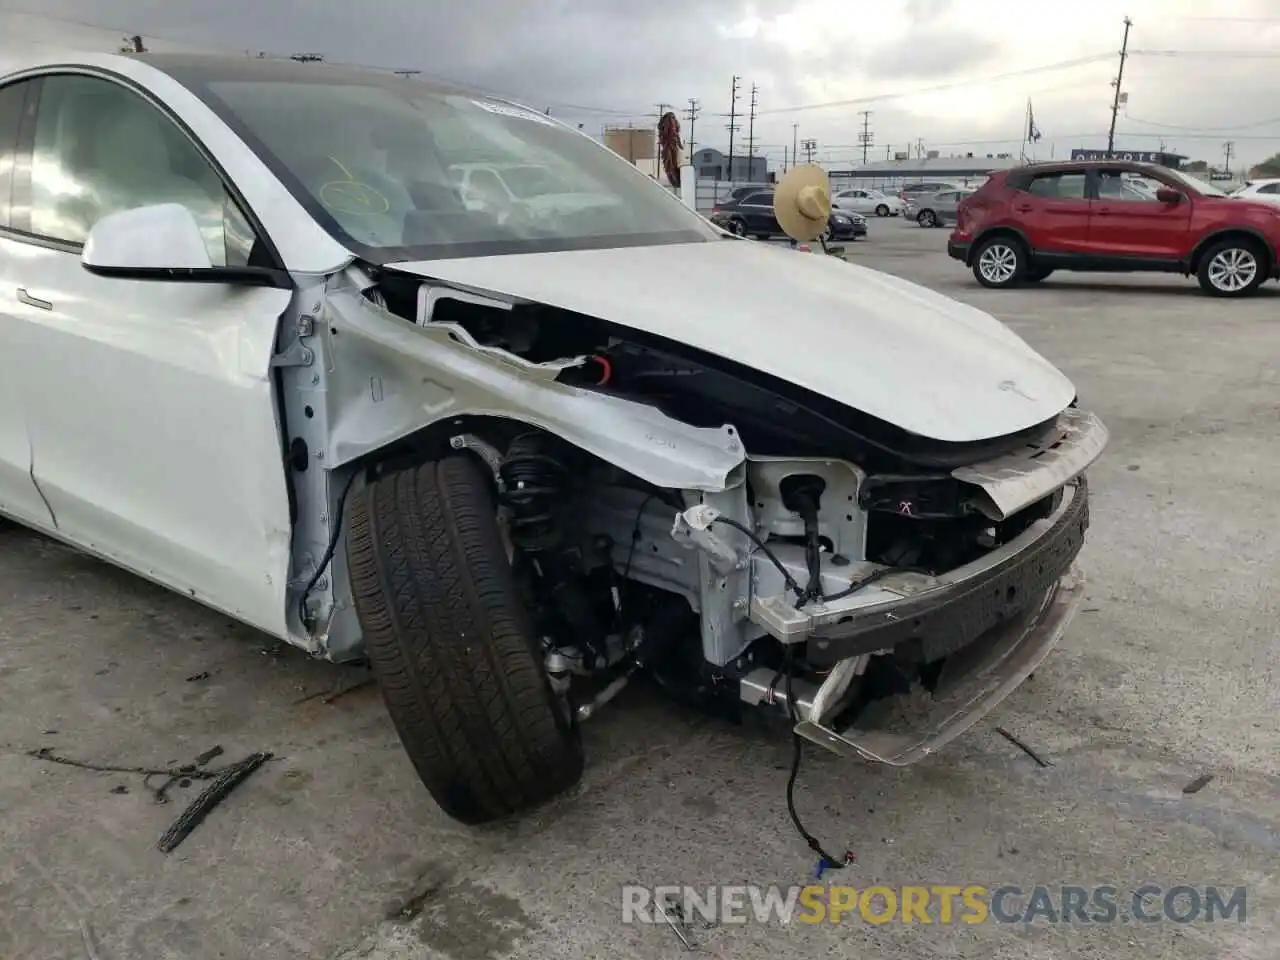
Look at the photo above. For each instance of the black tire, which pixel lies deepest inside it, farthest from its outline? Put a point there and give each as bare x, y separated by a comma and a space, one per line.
1036, 274
738, 227
451, 644
1007, 252
927, 218
882, 210
1241, 252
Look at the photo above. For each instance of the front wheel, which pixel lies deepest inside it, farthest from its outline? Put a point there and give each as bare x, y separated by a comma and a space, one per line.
1232, 268
452, 645
882, 210
999, 263
927, 218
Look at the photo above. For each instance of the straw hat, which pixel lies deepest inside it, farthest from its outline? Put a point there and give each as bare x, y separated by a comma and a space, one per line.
802, 202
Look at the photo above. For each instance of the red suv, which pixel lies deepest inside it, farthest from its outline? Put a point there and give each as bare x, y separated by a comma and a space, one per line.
1114, 216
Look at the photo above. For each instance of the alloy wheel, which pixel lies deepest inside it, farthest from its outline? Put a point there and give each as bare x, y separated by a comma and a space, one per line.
998, 263
1233, 269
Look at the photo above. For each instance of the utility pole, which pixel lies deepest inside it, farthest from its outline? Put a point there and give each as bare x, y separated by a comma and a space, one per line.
920, 148
809, 146
751, 131
733, 124
888, 151
866, 138
795, 132
693, 115
1115, 103
1228, 149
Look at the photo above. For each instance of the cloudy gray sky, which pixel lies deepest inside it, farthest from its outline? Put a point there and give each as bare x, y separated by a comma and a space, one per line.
955, 74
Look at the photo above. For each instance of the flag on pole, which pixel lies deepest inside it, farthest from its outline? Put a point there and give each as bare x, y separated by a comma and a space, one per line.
1033, 132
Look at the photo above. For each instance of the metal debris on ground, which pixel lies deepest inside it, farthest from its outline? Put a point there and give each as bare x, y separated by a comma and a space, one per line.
1198, 784
90, 941
672, 924
183, 775
337, 692
191, 770
226, 781
1041, 761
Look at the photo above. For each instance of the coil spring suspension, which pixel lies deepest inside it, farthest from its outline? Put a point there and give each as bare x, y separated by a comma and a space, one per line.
530, 480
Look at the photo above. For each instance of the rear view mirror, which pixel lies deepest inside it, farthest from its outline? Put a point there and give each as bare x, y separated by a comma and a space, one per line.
145, 239
1168, 195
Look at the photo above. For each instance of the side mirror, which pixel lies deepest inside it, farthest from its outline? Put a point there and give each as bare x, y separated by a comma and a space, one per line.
146, 239
1168, 195
162, 241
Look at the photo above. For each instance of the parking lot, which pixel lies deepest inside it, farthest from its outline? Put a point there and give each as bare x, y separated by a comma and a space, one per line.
334, 850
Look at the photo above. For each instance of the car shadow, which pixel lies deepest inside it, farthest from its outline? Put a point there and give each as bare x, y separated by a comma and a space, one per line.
1189, 289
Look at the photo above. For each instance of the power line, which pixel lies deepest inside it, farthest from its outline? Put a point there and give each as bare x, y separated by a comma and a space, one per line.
941, 87
1210, 54
1227, 129
1115, 104
866, 138
733, 123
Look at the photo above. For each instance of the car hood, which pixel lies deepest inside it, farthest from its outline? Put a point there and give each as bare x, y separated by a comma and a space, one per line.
889, 348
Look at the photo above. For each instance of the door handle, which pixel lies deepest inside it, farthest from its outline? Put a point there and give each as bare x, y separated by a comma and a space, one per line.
30, 301
1102, 211
1023, 208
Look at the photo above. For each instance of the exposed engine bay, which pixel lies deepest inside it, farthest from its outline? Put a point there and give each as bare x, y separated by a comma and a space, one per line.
837, 569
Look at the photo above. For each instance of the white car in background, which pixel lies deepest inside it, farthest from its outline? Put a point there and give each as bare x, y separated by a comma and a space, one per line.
1266, 191
859, 200
504, 188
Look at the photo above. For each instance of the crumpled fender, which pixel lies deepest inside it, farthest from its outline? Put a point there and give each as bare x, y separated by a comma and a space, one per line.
390, 378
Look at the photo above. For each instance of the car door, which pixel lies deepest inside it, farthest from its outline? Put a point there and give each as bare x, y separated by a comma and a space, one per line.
1267, 193
150, 403
19, 497
1126, 222
1052, 208
757, 208
857, 201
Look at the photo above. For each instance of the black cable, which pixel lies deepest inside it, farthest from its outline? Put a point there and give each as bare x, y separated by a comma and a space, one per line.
878, 574
827, 861
329, 551
787, 579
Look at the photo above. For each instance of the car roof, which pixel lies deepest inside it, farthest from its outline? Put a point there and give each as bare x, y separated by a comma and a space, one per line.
1072, 166
225, 67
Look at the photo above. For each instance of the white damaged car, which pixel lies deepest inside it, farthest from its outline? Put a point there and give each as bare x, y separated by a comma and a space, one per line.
256, 348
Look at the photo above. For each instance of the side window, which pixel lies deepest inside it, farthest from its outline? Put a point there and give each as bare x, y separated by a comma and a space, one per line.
11, 100
1265, 188
759, 199
100, 148
1112, 186
1060, 186
487, 186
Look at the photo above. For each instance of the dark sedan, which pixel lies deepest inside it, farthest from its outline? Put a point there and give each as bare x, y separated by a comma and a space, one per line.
752, 216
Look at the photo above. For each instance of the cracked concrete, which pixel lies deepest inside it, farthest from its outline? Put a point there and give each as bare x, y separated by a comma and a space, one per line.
334, 850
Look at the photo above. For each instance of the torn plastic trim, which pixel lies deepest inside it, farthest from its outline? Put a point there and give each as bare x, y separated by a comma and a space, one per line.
996, 665
391, 379
1017, 480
